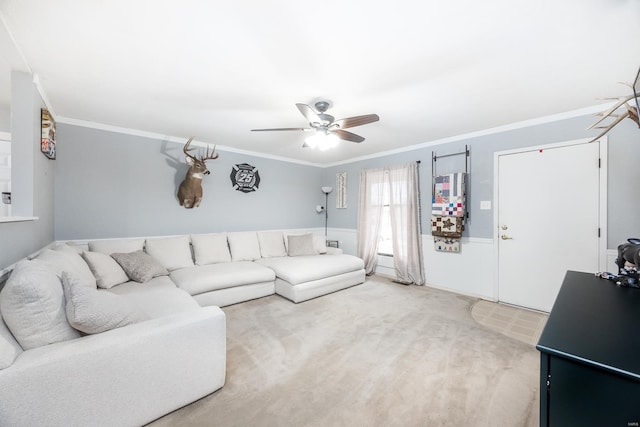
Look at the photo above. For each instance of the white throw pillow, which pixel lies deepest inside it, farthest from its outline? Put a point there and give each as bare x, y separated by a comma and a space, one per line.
244, 246
116, 245
140, 266
210, 248
67, 260
9, 347
92, 311
271, 244
172, 252
300, 245
107, 271
33, 307
320, 243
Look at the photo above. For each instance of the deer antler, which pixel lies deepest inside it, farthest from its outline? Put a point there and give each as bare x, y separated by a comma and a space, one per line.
186, 149
631, 112
208, 156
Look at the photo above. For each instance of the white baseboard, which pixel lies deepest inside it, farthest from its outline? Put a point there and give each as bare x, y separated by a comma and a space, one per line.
468, 272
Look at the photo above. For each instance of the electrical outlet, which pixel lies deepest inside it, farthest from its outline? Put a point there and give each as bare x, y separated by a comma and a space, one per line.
485, 205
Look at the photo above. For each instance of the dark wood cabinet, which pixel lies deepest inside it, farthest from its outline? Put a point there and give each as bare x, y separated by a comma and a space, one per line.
590, 355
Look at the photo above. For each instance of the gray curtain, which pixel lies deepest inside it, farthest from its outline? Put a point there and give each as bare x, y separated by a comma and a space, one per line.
400, 185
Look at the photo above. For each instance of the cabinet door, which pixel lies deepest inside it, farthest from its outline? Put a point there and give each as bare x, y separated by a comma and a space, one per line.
583, 396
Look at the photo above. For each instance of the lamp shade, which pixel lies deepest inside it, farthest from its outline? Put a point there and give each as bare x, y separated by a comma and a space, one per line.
327, 190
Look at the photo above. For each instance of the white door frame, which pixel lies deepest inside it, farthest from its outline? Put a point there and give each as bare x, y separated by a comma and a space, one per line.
602, 214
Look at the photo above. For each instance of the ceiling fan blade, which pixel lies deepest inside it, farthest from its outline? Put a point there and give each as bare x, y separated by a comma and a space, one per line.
356, 121
269, 130
347, 136
308, 112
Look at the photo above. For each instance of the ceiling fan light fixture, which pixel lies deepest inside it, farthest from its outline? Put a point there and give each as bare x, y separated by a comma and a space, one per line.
322, 141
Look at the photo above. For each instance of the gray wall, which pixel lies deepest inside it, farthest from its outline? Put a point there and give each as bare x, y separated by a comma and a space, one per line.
5, 119
115, 185
623, 174
32, 177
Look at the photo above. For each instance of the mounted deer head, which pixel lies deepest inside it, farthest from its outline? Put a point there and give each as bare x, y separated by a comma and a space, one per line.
190, 190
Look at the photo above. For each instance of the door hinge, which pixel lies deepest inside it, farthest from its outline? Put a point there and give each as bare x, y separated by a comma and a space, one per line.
548, 382
599, 163
598, 231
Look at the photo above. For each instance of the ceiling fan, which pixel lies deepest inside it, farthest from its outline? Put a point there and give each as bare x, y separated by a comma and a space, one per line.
326, 127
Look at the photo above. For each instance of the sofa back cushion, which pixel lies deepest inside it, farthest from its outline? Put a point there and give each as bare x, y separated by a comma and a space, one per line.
106, 270
244, 246
271, 244
61, 260
171, 252
33, 307
9, 347
116, 245
210, 248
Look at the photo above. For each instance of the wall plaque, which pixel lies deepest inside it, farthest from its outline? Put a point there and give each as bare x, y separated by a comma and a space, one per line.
245, 178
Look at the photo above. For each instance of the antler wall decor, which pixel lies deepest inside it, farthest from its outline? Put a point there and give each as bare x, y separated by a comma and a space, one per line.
190, 190
631, 111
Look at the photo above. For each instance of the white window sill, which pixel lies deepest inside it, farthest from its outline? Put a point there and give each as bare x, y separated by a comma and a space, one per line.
18, 218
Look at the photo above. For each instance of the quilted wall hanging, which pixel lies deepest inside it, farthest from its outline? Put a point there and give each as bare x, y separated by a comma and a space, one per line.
449, 206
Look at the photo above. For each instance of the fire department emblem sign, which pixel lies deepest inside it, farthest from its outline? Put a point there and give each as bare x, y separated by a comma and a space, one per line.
245, 178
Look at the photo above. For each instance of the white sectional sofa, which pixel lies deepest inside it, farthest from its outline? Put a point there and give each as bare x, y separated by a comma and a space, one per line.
130, 329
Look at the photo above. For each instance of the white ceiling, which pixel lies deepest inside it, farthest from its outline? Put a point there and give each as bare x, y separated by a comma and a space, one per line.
216, 69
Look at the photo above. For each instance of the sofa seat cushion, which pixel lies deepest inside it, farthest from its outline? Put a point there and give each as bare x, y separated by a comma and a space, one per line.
205, 278
156, 298
301, 269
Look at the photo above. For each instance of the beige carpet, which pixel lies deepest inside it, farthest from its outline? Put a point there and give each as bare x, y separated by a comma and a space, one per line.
521, 324
378, 354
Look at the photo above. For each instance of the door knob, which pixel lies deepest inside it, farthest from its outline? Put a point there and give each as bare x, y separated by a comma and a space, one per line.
505, 237
504, 227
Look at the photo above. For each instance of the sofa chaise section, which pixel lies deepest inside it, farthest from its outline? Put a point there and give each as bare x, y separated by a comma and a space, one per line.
301, 278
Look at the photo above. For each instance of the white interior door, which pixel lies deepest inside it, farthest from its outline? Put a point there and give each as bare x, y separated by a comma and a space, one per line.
548, 220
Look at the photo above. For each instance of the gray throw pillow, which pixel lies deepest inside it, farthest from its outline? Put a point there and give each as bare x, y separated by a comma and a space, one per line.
300, 245
139, 266
92, 311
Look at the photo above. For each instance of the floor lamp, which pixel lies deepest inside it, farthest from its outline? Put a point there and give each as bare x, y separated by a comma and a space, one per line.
326, 191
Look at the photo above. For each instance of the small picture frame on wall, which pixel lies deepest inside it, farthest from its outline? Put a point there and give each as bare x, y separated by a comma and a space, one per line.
48, 138
341, 190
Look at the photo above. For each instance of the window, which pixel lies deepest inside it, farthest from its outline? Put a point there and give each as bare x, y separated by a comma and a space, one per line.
5, 173
385, 242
